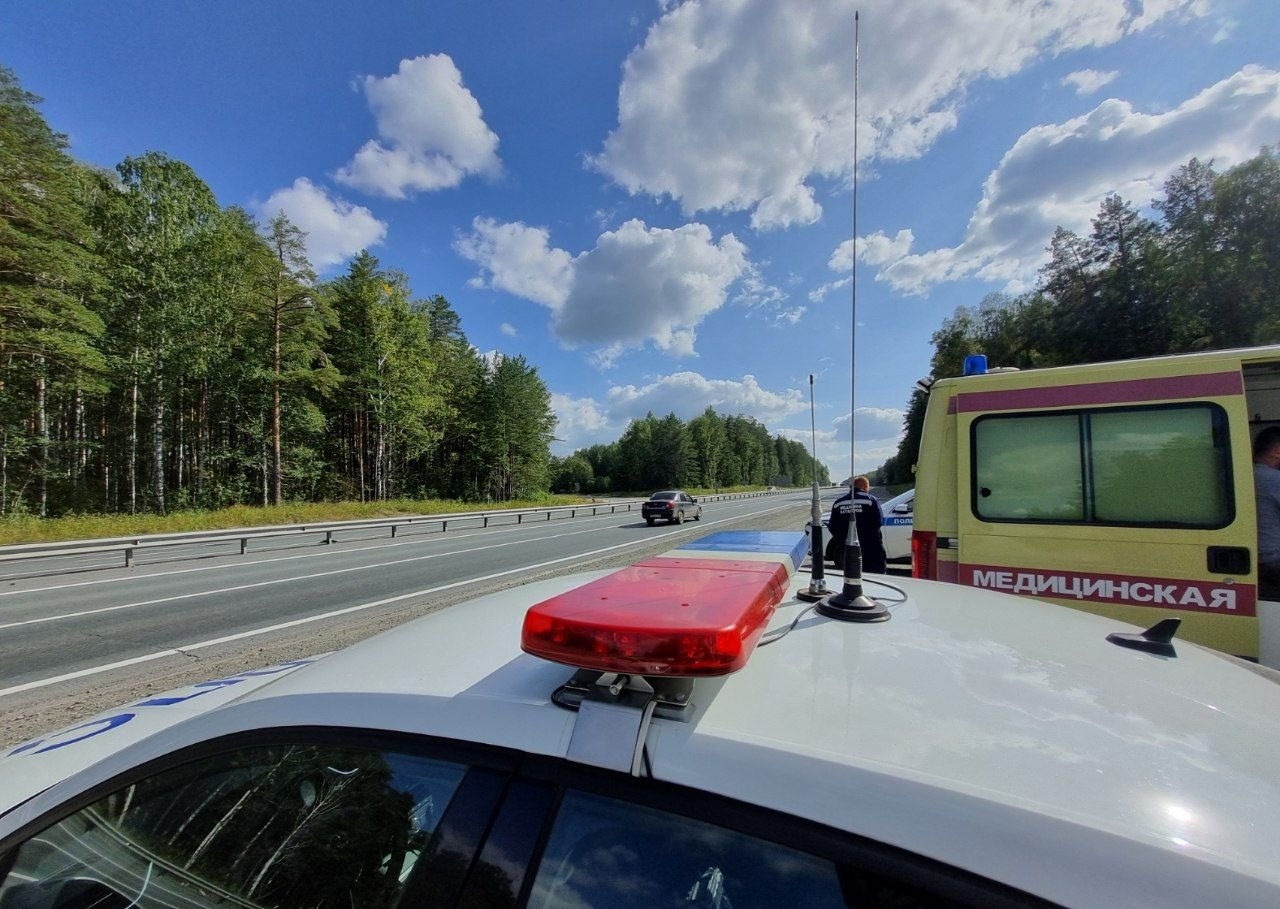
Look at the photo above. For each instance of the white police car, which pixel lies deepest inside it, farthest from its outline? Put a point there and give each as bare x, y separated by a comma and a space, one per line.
897, 524
626, 739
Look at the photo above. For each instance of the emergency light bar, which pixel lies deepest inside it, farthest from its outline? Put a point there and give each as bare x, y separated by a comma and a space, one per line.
667, 616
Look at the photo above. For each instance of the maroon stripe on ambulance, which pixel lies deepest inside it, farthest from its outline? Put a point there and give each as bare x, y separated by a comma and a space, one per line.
1128, 391
1177, 594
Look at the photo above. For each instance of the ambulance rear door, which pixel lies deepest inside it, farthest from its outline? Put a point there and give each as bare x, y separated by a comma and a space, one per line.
1124, 490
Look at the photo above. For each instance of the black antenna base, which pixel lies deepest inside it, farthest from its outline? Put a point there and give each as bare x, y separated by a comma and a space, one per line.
852, 607
816, 591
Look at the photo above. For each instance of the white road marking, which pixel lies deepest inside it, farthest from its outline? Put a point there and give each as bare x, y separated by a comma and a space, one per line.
327, 552
274, 581
213, 642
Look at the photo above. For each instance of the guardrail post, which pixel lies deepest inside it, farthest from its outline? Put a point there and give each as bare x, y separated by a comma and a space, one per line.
549, 515
244, 542
520, 518
486, 521
393, 531
328, 537
444, 526
128, 557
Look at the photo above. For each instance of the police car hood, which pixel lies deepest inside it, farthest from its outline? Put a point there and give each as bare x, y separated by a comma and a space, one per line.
31, 767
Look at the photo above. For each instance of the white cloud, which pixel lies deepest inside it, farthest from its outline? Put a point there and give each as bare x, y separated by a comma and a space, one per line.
820, 293
873, 249
431, 128
508, 329
335, 229
870, 423
879, 432
1058, 175
687, 394
1088, 81
738, 105
638, 285
518, 260
580, 423
586, 421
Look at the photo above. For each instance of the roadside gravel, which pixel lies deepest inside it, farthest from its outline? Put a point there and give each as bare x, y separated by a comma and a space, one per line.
27, 714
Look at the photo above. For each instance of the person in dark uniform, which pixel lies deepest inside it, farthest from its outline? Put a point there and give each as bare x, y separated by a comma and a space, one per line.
865, 509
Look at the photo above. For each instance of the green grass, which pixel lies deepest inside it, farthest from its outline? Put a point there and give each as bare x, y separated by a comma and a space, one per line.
27, 529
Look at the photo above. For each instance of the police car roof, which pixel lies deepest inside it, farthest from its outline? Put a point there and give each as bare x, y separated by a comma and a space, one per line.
970, 718
993, 733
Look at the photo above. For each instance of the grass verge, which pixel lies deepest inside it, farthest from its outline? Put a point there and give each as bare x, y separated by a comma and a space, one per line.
28, 529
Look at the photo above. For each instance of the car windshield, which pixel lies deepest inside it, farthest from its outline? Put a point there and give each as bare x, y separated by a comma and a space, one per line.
902, 498
663, 496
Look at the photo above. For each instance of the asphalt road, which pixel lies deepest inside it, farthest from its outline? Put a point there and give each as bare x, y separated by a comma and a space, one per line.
74, 644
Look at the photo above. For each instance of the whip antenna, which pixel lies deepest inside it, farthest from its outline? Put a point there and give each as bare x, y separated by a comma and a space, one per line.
850, 604
817, 588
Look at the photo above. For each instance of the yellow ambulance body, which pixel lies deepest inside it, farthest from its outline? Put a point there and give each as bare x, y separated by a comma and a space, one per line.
1124, 489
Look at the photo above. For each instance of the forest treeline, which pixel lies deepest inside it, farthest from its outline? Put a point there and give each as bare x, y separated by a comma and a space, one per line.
708, 452
1203, 275
160, 351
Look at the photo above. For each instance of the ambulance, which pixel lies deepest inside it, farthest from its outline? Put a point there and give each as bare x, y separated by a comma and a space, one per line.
1125, 489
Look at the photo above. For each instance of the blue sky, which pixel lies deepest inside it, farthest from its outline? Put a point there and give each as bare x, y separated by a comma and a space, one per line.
651, 200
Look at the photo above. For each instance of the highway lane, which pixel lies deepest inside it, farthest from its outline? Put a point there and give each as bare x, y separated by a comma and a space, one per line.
51, 628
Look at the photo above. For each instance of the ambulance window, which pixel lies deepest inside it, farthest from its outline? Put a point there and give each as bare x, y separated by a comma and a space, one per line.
1140, 457
287, 825
1028, 468
1163, 466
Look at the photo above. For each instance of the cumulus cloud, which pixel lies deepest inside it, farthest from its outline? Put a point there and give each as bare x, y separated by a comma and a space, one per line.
879, 432
335, 229
508, 329
873, 249
638, 285
870, 423
687, 394
818, 294
580, 423
586, 421
518, 259
1088, 81
432, 133
1058, 175
738, 105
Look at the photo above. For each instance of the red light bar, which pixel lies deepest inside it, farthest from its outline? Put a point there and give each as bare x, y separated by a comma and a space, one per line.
676, 617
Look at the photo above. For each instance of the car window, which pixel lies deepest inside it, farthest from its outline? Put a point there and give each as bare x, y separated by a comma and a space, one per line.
287, 825
607, 853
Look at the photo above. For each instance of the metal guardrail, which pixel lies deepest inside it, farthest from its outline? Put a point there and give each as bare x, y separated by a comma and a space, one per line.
129, 546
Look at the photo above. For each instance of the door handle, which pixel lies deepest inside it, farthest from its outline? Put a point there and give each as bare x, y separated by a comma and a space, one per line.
1228, 560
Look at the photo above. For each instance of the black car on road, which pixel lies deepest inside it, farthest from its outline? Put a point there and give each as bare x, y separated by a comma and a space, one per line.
671, 505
